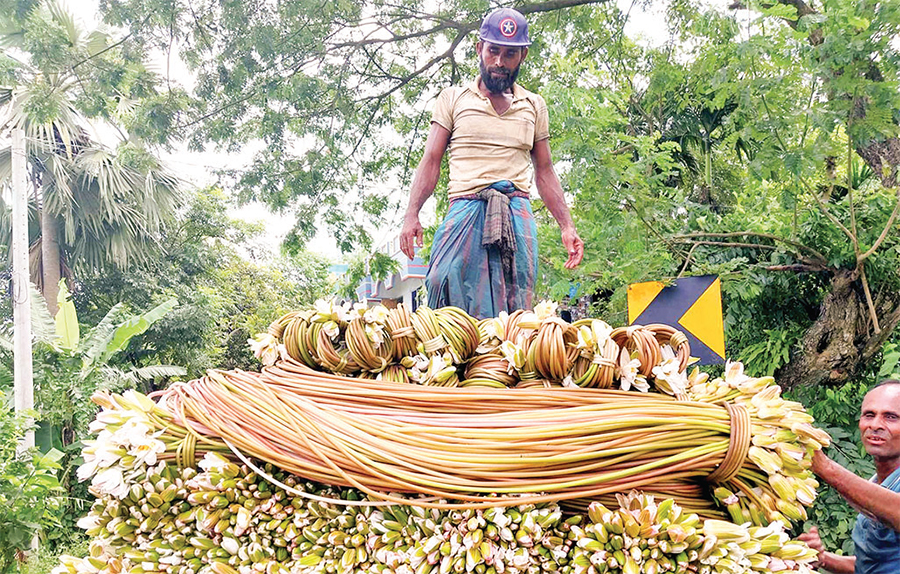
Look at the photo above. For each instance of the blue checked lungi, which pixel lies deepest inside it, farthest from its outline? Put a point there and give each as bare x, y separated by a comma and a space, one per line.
464, 274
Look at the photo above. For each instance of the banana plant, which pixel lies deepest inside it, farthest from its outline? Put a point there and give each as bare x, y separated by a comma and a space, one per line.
69, 365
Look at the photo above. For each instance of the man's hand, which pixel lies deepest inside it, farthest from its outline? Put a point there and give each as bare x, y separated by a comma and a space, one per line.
574, 247
411, 236
827, 560
813, 541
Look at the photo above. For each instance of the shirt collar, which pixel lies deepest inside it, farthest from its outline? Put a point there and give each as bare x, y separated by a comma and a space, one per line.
518, 93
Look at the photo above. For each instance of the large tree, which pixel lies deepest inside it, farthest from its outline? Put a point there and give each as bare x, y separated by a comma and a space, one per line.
797, 204
96, 206
337, 92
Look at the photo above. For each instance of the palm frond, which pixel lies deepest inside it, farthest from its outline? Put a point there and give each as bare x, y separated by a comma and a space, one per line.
5, 163
156, 372
96, 42
66, 19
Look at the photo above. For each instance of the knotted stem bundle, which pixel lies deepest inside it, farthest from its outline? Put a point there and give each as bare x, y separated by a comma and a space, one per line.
477, 446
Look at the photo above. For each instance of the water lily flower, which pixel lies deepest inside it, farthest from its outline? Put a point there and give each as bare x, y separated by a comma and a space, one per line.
264, 347
601, 331
88, 522
734, 373
629, 377
765, 460
106, 418
377, 314
669, 378
585, 338
529, 320
99, 454
332, 329
324, 310
514, 355
146, 452
545, 309
111, 481
375, 333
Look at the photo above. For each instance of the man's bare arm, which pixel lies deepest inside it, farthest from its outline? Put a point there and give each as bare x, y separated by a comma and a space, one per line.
422, 187
551, 192
862, 494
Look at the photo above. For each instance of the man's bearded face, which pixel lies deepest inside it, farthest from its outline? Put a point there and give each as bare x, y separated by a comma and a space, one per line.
499, 79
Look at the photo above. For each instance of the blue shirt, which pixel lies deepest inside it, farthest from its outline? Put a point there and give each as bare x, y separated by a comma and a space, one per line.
877, 546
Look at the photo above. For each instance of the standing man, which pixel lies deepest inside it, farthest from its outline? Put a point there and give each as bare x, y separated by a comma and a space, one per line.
876, 536
484, 256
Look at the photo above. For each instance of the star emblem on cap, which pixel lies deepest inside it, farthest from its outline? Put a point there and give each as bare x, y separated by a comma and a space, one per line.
508, 27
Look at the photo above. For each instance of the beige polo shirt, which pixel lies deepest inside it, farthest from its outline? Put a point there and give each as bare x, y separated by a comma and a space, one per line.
486, 147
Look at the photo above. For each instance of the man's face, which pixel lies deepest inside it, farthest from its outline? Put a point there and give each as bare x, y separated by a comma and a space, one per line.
499, 65
879, 423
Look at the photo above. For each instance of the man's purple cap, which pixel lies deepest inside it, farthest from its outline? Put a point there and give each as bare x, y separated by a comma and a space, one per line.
505, 27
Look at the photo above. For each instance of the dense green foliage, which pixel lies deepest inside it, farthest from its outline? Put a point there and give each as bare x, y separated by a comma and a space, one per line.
227, 285
29, 489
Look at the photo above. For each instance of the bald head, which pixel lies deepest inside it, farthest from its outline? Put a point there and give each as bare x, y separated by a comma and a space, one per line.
879, 424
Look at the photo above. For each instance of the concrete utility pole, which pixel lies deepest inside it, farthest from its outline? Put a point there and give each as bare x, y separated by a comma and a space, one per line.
22, 371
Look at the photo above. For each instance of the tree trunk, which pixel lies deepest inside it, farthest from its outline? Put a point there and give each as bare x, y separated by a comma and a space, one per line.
842, 340
50, 256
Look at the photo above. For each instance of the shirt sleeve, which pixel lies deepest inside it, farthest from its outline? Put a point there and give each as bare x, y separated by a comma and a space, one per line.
541, 120
443, 109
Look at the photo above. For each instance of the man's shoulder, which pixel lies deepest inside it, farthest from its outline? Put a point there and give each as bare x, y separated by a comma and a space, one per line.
453, 90
451, 94
525, 94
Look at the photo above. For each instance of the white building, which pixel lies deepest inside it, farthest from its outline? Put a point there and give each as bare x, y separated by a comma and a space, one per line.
401, 287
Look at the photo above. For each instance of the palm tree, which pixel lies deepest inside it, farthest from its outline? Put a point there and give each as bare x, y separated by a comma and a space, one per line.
97, 206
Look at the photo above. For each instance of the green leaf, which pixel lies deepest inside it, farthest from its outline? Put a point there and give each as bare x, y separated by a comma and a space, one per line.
66, 319
52, 457
47, 437
135, 326
781, 11
858, 22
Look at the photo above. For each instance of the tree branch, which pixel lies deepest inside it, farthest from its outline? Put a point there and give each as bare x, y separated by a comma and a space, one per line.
687, 261
800, 268
884, 232
873, 315
820, 259
729, 244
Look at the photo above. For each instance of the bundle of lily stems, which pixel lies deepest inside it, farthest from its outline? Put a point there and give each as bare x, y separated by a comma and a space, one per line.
447, 347
459, 446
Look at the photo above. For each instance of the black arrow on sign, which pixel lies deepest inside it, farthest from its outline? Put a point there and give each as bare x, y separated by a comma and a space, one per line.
670, 305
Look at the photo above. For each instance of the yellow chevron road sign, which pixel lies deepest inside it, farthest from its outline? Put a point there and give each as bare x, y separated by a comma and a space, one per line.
690, 304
